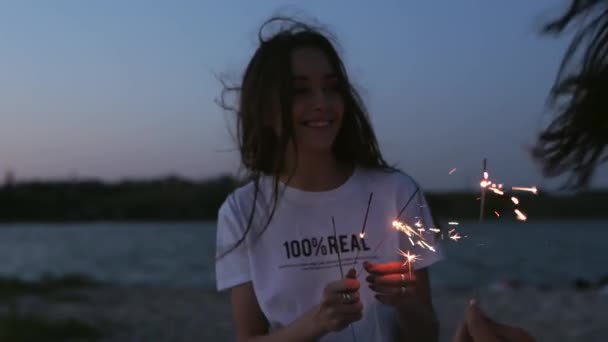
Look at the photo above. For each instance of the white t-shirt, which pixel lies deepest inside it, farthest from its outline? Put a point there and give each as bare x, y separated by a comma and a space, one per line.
292, 261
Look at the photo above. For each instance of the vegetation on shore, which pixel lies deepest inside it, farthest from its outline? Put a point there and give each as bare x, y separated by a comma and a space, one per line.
176, 199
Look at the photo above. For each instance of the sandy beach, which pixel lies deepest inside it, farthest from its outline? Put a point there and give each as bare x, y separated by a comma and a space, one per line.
194, 314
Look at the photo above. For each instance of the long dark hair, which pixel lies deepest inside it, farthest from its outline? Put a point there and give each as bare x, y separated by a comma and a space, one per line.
266, 91
577, 137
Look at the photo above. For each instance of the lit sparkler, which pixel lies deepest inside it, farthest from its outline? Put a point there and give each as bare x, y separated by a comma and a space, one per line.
409, 259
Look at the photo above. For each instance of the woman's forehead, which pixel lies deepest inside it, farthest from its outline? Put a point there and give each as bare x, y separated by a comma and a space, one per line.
310, 62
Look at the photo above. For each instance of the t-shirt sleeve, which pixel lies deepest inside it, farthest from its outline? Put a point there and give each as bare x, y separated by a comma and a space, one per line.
418, 215
232, 264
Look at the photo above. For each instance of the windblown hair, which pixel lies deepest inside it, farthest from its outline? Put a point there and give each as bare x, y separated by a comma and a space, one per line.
265, 101
575, 141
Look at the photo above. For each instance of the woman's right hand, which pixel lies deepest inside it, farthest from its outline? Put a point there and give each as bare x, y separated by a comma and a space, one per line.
341, 304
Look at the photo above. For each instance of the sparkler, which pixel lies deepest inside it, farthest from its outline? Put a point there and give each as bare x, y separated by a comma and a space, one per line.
409, 259
362, 234
483, 184
333, 224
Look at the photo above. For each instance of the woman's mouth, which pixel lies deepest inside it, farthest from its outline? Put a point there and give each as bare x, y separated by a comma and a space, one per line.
317, 123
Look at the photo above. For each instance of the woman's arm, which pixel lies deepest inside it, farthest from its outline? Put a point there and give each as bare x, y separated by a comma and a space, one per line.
251, 324
333, 314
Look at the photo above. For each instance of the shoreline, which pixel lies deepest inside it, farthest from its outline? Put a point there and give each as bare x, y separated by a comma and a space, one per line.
146, 313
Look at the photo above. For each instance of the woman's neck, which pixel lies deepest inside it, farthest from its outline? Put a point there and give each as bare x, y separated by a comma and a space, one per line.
316, 172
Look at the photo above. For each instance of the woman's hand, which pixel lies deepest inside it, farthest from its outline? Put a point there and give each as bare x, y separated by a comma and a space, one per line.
392, 281
477, 327
341, 304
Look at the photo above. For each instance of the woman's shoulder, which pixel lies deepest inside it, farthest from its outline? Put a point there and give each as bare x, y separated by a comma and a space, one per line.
243, 196
392, 178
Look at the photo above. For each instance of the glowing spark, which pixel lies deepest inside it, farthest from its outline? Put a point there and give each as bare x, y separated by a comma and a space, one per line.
434, 230
418, 223
485, 175
453, 223
500, 186
362, 235
497, 191
515, 200
452, 171
520, 216
411, 241
428, 246
400, 226
533, 189
455, 237
409, 259
420, 244
484, 183
451, 231
496, 213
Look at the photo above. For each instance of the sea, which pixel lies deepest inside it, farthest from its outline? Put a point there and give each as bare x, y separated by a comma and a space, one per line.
545, 253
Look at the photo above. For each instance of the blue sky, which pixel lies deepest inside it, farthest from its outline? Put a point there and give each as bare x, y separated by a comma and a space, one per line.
125, 89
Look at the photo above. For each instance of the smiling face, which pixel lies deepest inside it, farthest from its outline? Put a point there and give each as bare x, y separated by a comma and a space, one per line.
317, 104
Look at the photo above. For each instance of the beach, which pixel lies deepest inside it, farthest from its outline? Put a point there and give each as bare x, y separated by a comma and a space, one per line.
196, 314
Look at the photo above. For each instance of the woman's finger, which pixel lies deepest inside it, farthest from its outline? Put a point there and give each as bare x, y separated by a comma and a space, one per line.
344, 298
349, 309
462, 333
394, 279
393, 290
386, 268
479, 327
344, 285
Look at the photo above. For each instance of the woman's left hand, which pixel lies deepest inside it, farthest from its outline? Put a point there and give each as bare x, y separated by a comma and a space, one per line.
392, 281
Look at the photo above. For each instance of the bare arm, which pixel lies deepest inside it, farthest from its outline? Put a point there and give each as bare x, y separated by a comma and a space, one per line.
330, 315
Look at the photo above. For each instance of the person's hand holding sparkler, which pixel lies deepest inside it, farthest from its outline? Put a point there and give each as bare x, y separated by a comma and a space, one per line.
477, 327
340, 305
392, 281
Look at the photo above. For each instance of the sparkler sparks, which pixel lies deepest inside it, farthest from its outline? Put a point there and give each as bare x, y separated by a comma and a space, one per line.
520, 215
409, 259
456, 237
532, 189
452, 171
515, 200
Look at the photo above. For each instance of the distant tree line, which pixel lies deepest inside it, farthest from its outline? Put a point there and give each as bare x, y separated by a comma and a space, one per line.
176, 199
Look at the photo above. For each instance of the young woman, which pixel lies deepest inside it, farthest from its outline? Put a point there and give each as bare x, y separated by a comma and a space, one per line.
313, 159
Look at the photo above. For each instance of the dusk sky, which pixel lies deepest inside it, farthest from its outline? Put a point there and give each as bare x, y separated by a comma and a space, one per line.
126, 89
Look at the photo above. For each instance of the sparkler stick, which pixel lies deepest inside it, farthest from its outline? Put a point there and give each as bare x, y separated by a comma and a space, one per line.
398, 215
484, 184
333, 224
362, 234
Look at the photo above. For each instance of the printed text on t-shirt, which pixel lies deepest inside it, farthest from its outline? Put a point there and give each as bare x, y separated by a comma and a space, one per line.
324, 245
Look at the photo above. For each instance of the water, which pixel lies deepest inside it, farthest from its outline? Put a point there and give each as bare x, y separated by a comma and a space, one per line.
181, 254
